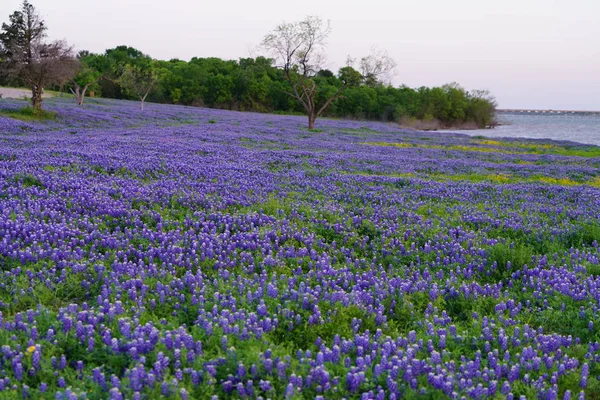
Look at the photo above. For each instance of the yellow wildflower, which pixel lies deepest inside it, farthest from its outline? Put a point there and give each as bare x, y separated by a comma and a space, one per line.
30, 349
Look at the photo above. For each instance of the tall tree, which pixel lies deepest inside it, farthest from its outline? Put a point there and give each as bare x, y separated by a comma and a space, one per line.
138, 81
299, 49
26, 55
112, 64
24, 30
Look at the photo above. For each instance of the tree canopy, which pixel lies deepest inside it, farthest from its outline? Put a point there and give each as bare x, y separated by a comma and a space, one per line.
289, 78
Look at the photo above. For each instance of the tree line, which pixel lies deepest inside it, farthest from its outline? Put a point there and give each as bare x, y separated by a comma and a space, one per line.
289, 78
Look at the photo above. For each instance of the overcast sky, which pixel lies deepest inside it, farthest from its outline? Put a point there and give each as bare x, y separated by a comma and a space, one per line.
528, 53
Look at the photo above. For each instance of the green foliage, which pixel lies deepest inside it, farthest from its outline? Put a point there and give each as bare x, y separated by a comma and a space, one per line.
339, 323
28, 114
255, 84
28, 180
138, 81
349, 76
86, 74
18, 36
499, 257
87, 77
584, 235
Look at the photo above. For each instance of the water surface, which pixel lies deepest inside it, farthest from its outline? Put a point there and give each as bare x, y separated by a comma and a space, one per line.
576, 128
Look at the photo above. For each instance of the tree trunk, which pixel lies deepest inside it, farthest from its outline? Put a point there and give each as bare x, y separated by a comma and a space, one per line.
78, 95
143, 98
36, 98
311, 120
142, 105
81, 96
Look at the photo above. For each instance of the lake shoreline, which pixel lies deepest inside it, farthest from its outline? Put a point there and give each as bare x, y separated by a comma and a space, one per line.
582, 129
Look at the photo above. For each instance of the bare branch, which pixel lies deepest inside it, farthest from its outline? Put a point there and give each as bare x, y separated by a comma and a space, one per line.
298, 47
331, 99
378, 67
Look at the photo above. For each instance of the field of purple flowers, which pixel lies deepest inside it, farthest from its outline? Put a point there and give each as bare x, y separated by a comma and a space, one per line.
190, 253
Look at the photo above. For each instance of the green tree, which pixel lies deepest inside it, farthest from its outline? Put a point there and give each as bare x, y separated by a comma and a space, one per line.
217, 90
18, 37
138, 81
87, 77
459, 103
267, 85
113, 64
482, 108
251, 83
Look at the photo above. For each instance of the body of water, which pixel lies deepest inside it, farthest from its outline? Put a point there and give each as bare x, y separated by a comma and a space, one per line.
576, 128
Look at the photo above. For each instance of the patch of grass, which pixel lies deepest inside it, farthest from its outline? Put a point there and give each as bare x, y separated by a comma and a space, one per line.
29, 180
498, 257
563, 322
8, 263
582, 235
545, 148
461, 309
388, 144
122, 171
503, 178
362, 129
272, 206
29, 114
328, 233
585, 235
338, 323
495, 146
430, 210
277, 165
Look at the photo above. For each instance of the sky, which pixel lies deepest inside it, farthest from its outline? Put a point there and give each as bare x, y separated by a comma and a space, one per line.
535, 54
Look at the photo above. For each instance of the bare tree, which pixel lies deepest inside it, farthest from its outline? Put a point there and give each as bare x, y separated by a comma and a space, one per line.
26, 56
298, 48
377, 67
51, 63
138, 82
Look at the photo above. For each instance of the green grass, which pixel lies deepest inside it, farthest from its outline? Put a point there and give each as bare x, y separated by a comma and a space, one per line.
29, 114
504, 147
536, 148
337, 323
54, 93
498, 257
28, 180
